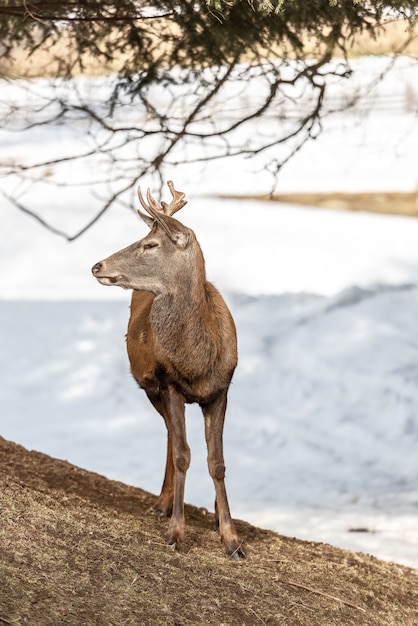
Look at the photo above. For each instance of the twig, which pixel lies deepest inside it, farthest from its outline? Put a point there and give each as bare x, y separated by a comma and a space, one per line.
35, 216
295, 604
30, 14
321, 593
257, 616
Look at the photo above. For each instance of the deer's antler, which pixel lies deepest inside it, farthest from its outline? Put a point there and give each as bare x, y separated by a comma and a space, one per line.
177, 202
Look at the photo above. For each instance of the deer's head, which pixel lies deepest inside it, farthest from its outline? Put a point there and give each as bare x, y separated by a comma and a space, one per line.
156, 262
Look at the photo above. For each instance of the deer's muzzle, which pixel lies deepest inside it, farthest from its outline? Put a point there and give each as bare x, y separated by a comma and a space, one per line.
99, 272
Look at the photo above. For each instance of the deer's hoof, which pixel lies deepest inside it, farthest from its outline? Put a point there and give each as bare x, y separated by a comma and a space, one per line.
238, 553
171, 544
156, 510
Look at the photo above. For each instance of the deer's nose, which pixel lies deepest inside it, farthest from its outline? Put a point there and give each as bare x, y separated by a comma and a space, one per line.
96, 268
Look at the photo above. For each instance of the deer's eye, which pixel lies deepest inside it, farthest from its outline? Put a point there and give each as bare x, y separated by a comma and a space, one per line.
149, 245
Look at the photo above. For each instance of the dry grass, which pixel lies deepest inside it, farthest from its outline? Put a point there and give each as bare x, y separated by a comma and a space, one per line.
383, 202
77, 548
396, 36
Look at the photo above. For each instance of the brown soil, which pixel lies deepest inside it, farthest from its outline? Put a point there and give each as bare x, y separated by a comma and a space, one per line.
78, 549
385, 202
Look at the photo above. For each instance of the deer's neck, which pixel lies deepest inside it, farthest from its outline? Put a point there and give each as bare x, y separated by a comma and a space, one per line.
180, 316
184, 299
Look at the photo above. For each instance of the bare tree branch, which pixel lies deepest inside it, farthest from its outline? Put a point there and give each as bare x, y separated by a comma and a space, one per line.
176, 80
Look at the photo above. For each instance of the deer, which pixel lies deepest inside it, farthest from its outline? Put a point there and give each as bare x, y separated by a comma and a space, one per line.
182, 348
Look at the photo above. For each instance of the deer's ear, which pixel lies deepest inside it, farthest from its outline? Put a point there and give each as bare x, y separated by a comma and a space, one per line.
147, 219
182, 238
176, 232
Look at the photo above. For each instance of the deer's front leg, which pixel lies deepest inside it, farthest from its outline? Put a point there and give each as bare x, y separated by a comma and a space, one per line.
175, 421
214, 414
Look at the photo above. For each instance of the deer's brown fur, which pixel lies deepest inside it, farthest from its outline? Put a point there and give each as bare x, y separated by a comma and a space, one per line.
182, 348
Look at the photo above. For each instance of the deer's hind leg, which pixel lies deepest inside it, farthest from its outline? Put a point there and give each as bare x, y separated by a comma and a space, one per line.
164, 503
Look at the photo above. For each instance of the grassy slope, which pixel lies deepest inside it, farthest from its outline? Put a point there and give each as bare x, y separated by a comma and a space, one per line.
76, 548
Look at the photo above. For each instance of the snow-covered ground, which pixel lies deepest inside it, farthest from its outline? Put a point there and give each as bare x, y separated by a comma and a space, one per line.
321, 435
